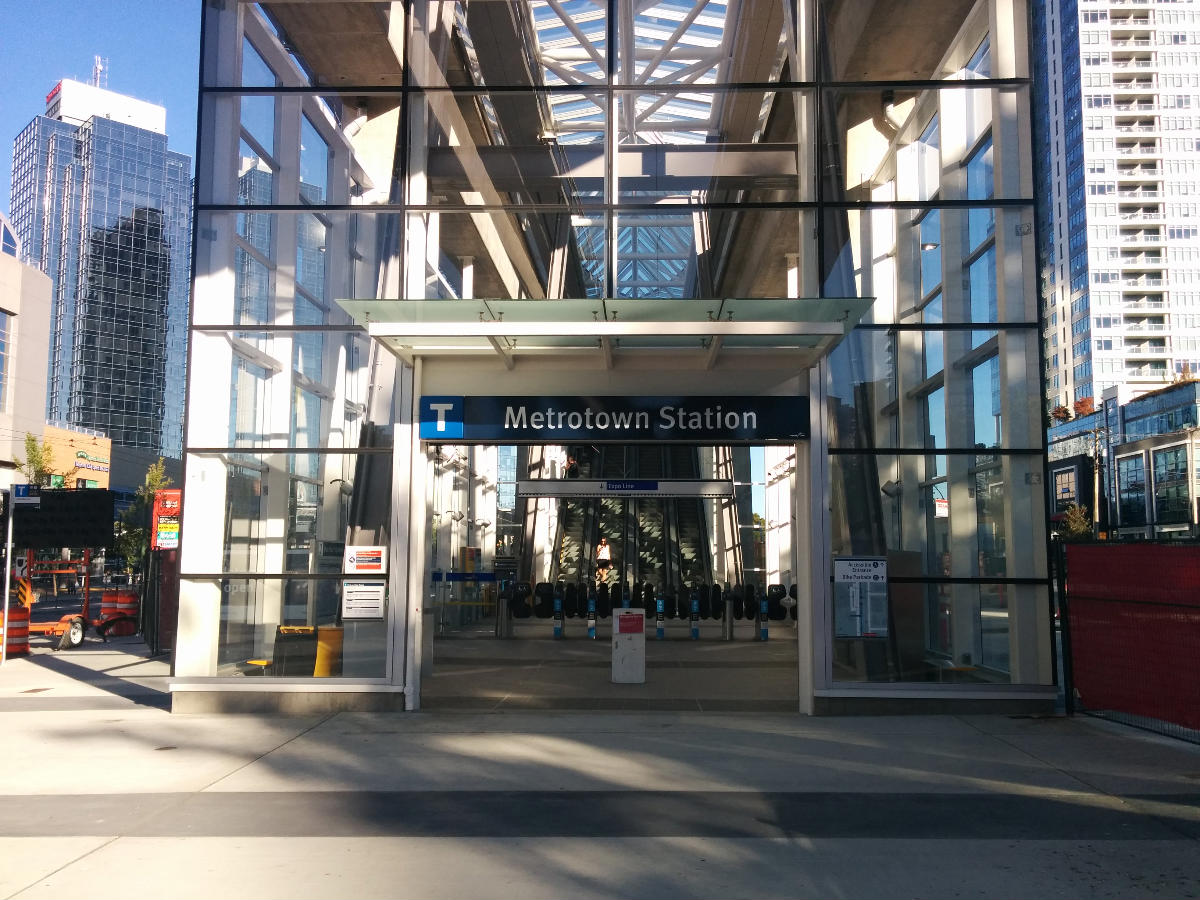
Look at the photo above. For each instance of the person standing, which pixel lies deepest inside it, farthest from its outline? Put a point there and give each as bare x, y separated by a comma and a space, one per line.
603, 560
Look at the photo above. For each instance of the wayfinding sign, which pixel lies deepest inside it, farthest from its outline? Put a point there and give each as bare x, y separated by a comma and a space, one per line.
27, 495
553, 420
623, 487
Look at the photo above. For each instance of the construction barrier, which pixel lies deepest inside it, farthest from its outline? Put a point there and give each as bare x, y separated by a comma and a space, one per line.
1133, 614
114, 604
16, 631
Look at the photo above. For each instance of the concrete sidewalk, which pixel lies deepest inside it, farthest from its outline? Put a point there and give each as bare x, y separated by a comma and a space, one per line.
107, 795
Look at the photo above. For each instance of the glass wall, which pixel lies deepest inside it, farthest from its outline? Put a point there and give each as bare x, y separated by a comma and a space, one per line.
935, 424
550, 151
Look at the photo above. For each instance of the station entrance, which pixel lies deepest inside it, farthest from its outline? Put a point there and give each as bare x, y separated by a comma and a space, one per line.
685, 438
536, 546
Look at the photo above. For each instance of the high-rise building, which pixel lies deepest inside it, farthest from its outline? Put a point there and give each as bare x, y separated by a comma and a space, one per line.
1119, 99
103, 207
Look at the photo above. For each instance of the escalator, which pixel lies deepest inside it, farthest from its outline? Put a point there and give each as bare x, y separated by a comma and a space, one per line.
662, 542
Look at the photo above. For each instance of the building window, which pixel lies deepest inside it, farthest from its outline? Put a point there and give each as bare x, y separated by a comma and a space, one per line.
1171, 505
1064, 490
1131, 490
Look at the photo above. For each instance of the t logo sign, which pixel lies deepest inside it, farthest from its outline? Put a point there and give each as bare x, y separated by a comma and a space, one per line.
441, 418
441, 409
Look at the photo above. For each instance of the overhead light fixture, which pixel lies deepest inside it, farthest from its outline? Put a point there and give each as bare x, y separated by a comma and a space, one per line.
930, 245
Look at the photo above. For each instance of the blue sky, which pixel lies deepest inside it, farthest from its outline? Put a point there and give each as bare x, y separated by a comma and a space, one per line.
152, 47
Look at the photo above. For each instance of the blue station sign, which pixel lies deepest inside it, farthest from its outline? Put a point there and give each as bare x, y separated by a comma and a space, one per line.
555, 420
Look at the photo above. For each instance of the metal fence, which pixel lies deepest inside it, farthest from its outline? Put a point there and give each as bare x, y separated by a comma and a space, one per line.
1131, 633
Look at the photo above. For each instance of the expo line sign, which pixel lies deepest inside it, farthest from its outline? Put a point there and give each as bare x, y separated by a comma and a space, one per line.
605, 419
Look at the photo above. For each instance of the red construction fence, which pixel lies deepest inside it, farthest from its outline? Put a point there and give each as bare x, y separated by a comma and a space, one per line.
1133, 614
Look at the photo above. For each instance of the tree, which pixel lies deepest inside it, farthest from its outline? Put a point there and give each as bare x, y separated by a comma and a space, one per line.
1060, 414
1076, 523
39, 461
133, 525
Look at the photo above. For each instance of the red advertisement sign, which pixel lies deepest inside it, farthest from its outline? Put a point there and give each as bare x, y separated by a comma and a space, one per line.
164, 521
631, 623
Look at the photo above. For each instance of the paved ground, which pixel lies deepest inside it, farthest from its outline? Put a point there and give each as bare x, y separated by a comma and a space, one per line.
104, 794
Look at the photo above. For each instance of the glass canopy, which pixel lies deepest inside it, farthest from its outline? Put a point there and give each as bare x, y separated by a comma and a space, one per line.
800, 332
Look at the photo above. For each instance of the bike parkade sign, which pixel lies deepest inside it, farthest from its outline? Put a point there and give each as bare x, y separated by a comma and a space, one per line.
624, 420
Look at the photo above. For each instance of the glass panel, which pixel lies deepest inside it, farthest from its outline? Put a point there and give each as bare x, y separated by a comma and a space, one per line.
862, 386
330, 365
528, 162
1131, 490
311, 237
934, 135
314, 163
292, 628
902, 257
948, 48
935, 420
1171, 499
707, 146
255, 184
331, 497
308, 421
258, 121
249, 405
934, 355
985, 401
255, 71
981, 293
308, 347
933, 632
981, 185
930, 232
949, 514
252, 284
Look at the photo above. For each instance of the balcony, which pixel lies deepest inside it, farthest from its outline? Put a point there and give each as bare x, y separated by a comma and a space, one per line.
1137, 284
1125, 65
1142, 260
1130, 43
1141, 215
1141, 238
1135, 106
1157, 373
1145, 326
1138, 128
1142, 303
1148, 149
1146, 350
1139, 173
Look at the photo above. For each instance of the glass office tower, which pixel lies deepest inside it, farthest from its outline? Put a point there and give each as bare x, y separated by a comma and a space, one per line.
566, 170
103, 208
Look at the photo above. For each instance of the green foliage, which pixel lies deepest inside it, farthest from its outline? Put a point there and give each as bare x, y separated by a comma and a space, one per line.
1076, 523
37, 466
133, 525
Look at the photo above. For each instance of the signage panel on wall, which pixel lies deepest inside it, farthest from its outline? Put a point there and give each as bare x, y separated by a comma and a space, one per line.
548, 420
860, 596
626, 487
363, 598
365, 560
